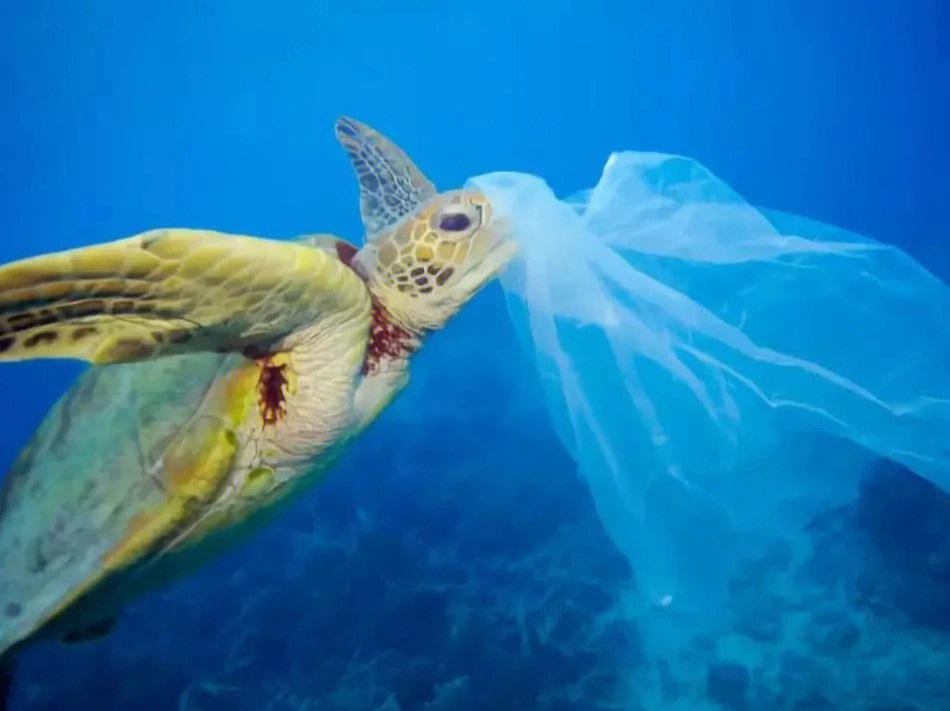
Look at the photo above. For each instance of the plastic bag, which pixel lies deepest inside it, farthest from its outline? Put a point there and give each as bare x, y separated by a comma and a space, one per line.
719, 374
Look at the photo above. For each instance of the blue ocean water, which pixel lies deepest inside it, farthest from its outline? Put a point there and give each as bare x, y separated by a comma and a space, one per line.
468, 569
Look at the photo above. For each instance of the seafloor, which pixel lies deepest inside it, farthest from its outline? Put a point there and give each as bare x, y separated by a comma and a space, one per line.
454, 560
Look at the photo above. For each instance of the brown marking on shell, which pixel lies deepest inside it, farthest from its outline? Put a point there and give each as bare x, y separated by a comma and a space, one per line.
41, 337
89, 307
84, 331
130, 348
30, 319
6, 343
122, 306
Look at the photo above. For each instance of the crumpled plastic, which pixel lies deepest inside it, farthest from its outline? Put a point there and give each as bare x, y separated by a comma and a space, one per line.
721, 374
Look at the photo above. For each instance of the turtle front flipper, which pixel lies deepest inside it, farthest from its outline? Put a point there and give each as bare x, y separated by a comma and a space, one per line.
168, 291
391, 186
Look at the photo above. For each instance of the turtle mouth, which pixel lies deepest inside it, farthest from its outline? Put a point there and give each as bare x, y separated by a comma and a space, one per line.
498, 248
497, 230
501, 251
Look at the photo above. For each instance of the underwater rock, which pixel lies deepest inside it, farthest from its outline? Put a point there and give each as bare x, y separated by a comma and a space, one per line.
837, 639
389, 704
813, 702
521, 519
414, 625
414, 686
593, 561
448, 574
210, 696
907, 518
728, 684
758, 616
326, 563
590, 596
670, 688
568, 630
381, 554
560, 670
332, 513
802, 675
497, 533
621, 641
601, 686
451, 695
740, 649
563, 704
437, 525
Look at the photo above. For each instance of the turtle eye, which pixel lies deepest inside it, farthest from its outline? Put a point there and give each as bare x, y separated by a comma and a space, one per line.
454, 222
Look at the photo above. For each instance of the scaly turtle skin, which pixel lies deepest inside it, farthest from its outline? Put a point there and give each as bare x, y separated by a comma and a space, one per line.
234, 369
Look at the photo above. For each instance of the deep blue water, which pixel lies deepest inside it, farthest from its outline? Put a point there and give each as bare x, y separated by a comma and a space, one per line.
411, 577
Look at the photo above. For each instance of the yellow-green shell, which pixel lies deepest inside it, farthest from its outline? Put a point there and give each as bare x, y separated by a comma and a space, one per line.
95, 473
138, 459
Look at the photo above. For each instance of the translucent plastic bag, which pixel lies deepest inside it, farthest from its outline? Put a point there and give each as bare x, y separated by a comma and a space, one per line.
707, 364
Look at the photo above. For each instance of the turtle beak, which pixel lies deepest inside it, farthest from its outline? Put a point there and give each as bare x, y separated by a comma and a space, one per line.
500, 250
500, 255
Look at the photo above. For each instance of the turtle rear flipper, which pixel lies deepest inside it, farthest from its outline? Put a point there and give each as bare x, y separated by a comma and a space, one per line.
165, 292
94, 630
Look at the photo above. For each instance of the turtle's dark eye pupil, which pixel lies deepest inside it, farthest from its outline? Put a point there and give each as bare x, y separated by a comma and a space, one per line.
455, 222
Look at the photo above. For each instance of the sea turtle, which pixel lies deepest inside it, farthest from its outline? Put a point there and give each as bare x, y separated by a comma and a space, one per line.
237, 367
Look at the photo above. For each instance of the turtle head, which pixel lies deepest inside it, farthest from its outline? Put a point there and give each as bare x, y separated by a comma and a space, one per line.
426, 253
435, 259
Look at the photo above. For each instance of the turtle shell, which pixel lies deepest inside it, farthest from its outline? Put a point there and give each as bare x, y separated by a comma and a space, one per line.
80, 500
